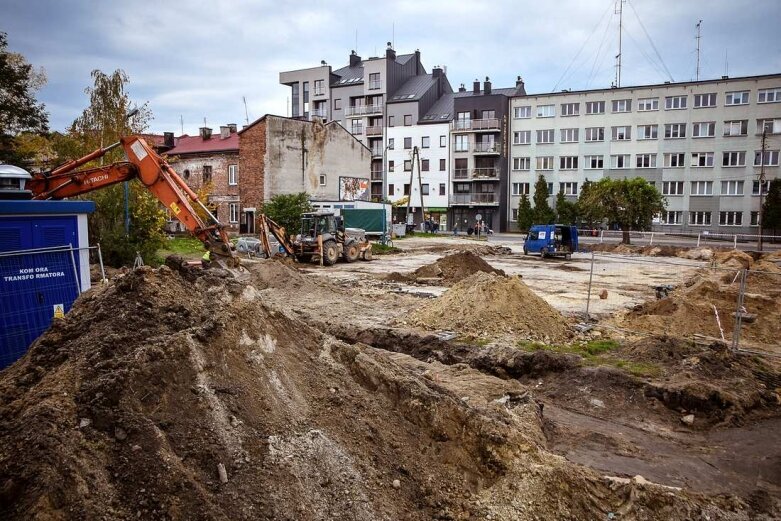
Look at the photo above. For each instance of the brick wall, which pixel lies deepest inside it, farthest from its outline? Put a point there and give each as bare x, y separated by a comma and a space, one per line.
252, 147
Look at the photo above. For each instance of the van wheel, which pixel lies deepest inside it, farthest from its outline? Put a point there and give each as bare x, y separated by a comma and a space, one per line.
544, 252
525, 251
568, 256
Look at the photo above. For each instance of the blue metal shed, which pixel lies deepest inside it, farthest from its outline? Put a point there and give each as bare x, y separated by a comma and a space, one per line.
44, 265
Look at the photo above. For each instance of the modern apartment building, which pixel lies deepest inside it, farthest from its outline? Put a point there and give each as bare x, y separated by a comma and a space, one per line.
699, 142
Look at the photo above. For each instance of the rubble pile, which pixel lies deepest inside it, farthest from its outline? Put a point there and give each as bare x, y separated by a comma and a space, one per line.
447, 270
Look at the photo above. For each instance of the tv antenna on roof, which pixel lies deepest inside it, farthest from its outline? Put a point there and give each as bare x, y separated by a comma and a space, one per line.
697, 72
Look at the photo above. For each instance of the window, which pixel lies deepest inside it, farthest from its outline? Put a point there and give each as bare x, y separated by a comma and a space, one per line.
207, 173
406, 188
754, 218
391, 121
322, 179
737, 98
442, 165
595, 107
408, 165
646, 160
702, 159
569, 135
619, 161
769, 126
391, 166
425, 141
769, 158
391, 143
408, 120
736, 128
424, 165
461, 143
520, 189
522, 137
730, 218
672, 217
442, 141
755, 187
338, 104
374, 81
622, 105
647, 104
568, 163
545, 136
514, 214
569, 188
424, 189
233, 175
356, 126
545, 163
704, 100
570, 109
234, 212
704, 129
769, 95
407, 143
675, 130
595, 134
702, 188
674, 160
595, 162
442, 189
391, 189
675, 102
672, 188
319, 87
647, 131
522, 112
733, 159
699, 218
732, 188
621, 133
521, 163
546, 111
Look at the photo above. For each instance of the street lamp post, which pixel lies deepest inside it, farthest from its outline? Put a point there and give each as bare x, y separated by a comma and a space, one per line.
761, 183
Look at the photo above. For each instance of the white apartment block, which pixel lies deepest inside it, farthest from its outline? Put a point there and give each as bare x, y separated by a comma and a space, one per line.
698, 142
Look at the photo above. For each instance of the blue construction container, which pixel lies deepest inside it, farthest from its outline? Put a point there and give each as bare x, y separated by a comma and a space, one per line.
44, 266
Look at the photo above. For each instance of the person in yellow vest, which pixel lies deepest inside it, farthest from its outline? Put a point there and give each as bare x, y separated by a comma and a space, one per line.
206, 260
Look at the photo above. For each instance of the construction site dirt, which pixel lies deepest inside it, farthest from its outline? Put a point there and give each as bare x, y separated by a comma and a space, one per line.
335, 393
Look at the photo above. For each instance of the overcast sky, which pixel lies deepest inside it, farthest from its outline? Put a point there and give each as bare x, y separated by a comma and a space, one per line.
197, 59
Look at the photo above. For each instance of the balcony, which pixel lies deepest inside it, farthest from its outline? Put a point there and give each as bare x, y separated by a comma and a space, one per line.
486, 148
461, 173
318, 113
485, 173
376, 175
358, 111
374, 131
376, 151
477, 198
473, 125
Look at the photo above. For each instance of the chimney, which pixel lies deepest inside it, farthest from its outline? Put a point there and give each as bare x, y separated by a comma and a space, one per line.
487, 86
232, 127
476, 87
225, 132
461, 88
390, 53
519, 83
436, 72
354, 59
418, 65
206, 132
168, 140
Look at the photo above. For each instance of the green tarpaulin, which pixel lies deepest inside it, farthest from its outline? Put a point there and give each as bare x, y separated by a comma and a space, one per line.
371, 220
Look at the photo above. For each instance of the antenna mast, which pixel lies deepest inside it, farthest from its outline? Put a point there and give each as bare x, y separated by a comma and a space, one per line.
697, 73
246, 114
620, 11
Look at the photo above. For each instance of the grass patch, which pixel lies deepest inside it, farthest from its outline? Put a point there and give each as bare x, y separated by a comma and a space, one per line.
475, 341
597, 347
419, 234
185, 246
382, 249
645, 369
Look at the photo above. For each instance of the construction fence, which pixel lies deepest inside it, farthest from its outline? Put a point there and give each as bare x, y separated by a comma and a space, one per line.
699, 238
736, 300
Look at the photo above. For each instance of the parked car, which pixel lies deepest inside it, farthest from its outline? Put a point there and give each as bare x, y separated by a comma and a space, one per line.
252, 246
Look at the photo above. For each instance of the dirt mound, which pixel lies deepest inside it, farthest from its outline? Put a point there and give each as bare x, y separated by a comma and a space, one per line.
454, 268
734, 259
485, 304
705, 254
278, 273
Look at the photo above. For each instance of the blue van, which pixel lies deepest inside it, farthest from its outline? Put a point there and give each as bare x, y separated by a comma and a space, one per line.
551, 240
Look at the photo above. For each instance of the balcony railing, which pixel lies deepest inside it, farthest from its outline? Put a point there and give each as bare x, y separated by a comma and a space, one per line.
375, 84
319, 92
476, 124
474, 198
376, 151
319, 113
486, 148
485, 173
362, 110
376, 175
374, 131
461, 173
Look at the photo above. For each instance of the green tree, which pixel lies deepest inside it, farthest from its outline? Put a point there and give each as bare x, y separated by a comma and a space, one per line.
543, 213
286, 210
525, 213
566, 211
771, 208
19, 110
630, 203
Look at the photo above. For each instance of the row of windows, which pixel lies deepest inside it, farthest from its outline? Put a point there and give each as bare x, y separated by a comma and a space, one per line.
425, 142
233, 174
671, 160
726, 218
424, 165
701, 129
568, 188
618, 106
669, 188
425, 189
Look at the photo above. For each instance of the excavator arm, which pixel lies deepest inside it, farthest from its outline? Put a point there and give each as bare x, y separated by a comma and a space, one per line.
268, 225
155, 174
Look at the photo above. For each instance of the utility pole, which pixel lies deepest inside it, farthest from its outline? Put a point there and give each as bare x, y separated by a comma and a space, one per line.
761, 186
620, 11
697, 72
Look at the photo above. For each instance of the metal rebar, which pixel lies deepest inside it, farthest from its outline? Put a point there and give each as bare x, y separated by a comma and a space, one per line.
590, 278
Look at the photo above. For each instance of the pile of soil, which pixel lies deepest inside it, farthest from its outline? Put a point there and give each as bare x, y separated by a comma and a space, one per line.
447, 270
734, 259
486, 304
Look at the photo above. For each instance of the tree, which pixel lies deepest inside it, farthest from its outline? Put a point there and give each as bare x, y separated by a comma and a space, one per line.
525, 213
543, 213
286, 210
630, 203
19, 110
566, 211
771, 208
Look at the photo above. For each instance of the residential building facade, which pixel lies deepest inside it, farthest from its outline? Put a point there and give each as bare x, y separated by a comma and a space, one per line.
699, 143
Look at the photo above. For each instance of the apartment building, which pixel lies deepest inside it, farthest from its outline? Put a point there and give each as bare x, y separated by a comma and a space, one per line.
699, 143
366, 97
480, 153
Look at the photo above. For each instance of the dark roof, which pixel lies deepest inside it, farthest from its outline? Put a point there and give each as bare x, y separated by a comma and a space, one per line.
197, 145
503, 91
404, 58
413, 89
348, 76
441, 111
